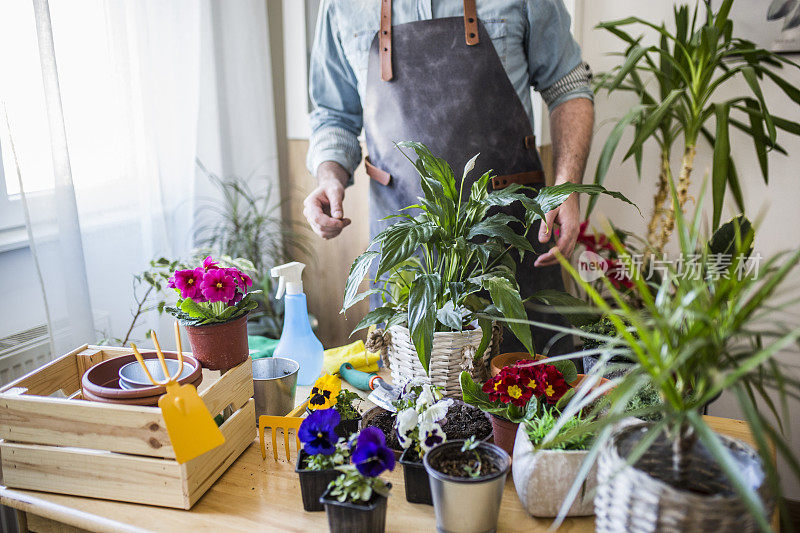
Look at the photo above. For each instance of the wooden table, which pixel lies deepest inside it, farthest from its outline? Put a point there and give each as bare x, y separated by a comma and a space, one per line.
258, 495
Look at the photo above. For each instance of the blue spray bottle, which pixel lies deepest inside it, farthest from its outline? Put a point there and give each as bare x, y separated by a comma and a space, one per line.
298, 341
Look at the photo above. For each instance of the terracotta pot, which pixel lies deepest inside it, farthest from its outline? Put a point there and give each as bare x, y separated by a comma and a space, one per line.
507, 359
505, 432
143, 400
220, 346
103, 378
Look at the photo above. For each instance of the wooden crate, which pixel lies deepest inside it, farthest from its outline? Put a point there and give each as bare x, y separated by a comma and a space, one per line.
54, 441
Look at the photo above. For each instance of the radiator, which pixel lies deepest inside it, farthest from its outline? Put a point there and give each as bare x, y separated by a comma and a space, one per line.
23, 352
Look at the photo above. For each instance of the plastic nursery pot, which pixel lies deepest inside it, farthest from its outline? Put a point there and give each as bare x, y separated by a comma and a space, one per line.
348, 427
313, 483
347, 517
505, 433
465, 504
507, 359
418, 488
220, 346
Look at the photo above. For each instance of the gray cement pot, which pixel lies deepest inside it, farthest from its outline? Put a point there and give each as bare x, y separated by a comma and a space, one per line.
467, 505
543, 478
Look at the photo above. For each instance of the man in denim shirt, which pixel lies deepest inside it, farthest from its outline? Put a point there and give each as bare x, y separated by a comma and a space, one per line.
432, 71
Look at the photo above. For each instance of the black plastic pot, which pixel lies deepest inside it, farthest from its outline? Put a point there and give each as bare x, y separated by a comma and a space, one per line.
346, 517
418, 488
313, 483
348, 427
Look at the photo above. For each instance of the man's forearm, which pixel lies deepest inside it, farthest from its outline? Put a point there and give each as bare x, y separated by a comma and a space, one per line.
571, 125
332, 170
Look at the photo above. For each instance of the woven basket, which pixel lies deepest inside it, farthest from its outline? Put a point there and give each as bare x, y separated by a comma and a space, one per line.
452, 353
632, 500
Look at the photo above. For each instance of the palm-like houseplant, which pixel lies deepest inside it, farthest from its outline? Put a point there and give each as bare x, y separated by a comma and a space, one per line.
451, 248
677, 83
695, 337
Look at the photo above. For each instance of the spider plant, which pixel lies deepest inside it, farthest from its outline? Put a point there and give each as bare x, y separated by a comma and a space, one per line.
677, 83
695, 337
451, 248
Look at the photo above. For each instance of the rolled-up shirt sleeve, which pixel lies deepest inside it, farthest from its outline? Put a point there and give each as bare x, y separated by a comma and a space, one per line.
336, 119
554, 58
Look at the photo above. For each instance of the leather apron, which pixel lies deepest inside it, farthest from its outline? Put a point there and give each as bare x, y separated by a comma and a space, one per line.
441, 82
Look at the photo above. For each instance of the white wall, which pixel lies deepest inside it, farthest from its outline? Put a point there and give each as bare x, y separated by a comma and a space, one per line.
778, 202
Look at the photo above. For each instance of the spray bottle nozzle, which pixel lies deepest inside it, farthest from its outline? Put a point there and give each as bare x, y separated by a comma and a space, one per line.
290, 278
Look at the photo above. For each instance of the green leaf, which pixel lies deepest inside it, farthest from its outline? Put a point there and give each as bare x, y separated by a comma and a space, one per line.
473, 394
486, 337
400, 245
722, 152
422, 315
450, 316
507, 299
358, 270
376, 316
553, 196
193, 309
610, 146
634, 54
498, 226
751, 79
724, 239
567, 369
652, 122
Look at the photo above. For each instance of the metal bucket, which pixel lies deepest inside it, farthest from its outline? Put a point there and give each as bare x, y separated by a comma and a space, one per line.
274, 385
466, 505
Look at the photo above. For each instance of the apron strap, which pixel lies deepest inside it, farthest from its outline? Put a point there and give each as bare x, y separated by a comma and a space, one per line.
385, 40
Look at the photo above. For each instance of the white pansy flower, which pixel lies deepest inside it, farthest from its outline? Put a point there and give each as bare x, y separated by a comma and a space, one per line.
427, 397
430, 435
435, 412
406, 423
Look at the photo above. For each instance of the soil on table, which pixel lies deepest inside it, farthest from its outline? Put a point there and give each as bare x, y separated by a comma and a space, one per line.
463, 421
453, 462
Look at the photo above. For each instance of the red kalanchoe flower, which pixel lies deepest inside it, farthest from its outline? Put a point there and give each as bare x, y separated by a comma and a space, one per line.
553, 384
218, 286
209, 263
188, 282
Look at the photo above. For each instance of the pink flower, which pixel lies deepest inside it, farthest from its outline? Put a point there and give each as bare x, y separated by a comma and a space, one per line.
243, 281
218, 286
188, 282
209, 263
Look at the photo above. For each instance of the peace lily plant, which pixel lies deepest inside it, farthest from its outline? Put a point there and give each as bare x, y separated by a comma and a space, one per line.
443, 251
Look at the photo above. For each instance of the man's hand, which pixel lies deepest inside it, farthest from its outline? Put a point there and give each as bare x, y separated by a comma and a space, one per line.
567, 216
323, 207
571, 131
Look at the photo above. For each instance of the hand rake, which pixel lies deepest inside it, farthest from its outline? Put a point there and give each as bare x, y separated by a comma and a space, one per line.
290, 421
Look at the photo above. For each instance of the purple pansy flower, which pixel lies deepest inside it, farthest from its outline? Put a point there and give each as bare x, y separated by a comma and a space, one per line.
317, 432
218, 286
188, 282
371, 455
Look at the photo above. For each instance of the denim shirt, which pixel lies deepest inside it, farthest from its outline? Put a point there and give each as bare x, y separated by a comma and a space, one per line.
531, 37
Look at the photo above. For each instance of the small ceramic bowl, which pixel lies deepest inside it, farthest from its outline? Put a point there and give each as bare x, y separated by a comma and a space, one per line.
103, 378
133, 376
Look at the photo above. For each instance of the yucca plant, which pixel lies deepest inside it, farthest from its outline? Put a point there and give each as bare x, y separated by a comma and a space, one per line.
695, 337
440, 257
677, 83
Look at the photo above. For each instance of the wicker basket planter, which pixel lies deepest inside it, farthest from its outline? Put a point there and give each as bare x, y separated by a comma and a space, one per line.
635, 500
452, 352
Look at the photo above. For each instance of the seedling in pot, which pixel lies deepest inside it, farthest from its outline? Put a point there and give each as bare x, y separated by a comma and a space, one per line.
470, 444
